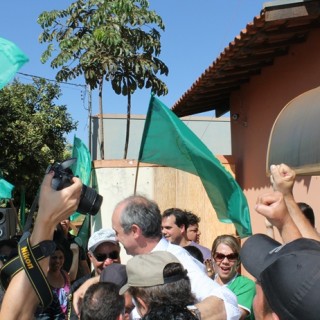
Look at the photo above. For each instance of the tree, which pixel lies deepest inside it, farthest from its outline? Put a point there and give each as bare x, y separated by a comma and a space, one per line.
32, 133
106, 40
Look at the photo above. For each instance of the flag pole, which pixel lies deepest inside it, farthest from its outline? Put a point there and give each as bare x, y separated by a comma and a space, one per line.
136, 178
143, 139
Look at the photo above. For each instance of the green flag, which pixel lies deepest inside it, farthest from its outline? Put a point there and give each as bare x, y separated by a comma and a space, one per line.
83, 235
5, 189
168, 141
82, 167
11, 60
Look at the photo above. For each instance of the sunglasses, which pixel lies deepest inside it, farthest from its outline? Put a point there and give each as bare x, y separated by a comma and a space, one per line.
103, 256
231, 257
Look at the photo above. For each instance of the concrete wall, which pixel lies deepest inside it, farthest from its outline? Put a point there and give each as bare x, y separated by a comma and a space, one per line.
214, 133
258, 103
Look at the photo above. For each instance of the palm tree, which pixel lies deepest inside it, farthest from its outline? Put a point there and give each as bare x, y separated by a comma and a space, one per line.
108, 40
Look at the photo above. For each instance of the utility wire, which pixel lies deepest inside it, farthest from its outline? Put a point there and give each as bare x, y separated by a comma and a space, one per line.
38, 77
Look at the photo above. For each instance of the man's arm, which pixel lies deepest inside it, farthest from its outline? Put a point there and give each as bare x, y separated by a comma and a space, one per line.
269, 229
283, 178
75, 262
79, 293
20, 299
212, 308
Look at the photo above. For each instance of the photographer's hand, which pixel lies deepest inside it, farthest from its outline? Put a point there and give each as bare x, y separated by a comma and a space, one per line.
20, 300
55, 206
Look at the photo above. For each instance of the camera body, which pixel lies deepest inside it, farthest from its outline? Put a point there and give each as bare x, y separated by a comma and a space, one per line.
90, 200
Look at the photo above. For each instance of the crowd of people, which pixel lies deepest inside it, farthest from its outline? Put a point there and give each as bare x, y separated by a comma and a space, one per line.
170, 275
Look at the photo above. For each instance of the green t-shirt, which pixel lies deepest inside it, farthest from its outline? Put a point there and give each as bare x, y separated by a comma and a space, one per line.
245, 290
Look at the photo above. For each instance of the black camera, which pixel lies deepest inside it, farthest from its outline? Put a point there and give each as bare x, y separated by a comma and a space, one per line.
90, 200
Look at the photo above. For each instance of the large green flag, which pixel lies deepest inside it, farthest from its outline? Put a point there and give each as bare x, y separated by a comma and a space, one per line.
5, 189
168, 141
11, 60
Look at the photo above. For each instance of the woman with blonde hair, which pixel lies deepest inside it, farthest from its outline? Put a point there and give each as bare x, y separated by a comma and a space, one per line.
226, 259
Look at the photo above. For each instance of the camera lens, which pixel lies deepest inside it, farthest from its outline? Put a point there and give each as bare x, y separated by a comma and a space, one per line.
90, 202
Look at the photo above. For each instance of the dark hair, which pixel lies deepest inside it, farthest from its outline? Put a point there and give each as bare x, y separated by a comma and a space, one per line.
102, 301
58, 235
195, 252
307, 211
180, 215
60, 247
143, 212
176, 293
169, 312
192, 218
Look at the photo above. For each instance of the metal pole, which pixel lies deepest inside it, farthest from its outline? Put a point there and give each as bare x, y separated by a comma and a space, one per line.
90, 115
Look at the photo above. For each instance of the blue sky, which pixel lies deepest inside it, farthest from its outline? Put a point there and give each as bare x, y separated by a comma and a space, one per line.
197, 31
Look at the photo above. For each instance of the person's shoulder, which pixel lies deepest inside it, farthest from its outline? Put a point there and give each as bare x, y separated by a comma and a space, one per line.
186, 259
242, 284
246, 281
177, 250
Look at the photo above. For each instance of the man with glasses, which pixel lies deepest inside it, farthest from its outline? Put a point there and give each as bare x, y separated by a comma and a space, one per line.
103, 249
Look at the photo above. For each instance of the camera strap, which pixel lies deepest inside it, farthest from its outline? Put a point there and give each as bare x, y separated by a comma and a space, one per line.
28, 260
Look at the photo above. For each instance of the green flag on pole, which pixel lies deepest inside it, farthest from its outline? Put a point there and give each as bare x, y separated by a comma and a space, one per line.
82, 167
5, 189
11, 60
167, 141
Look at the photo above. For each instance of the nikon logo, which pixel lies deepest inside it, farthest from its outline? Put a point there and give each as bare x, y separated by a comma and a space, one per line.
26, 257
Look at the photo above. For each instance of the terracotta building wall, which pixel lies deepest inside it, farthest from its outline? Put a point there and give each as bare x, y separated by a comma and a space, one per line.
258, 103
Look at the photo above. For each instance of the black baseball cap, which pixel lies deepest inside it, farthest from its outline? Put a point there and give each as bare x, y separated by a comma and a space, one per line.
115, 273
289, 274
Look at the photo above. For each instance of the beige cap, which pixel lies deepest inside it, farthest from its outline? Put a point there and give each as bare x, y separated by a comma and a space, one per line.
146, 270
